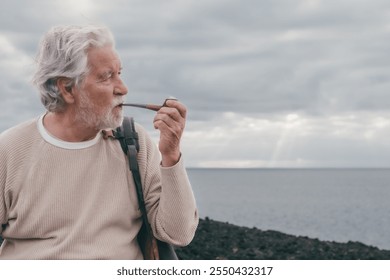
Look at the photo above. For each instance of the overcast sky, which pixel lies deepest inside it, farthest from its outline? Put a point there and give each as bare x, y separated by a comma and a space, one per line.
268, 83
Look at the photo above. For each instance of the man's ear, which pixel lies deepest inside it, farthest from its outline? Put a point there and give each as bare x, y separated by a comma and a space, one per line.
66, 90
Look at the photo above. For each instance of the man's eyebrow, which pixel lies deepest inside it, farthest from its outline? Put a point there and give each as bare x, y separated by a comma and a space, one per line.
107, 74
104, 75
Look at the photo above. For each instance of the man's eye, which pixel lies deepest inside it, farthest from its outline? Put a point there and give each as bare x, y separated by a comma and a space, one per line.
105, 77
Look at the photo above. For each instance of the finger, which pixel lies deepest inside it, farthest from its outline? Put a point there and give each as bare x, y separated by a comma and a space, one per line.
170, 112
162, 120
168, 131
180, 107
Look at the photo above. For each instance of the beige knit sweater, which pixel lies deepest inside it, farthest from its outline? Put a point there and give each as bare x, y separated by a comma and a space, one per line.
61, 200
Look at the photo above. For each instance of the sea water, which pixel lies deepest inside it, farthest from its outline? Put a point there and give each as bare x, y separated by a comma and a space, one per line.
329, 204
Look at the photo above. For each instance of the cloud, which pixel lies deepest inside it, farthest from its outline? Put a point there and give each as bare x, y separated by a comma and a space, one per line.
291, 140
314, 57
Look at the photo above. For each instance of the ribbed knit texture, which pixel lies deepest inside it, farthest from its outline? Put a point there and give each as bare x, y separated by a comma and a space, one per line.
81, 204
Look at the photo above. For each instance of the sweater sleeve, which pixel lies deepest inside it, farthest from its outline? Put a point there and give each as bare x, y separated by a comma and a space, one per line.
169, 198
177, 200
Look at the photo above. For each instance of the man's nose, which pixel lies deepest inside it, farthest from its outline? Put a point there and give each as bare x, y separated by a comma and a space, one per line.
121, 88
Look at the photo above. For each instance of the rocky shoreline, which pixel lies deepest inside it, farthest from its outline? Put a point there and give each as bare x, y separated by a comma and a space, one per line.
223, 241
217, 240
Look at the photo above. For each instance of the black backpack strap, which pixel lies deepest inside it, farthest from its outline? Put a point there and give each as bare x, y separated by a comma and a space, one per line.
128, 137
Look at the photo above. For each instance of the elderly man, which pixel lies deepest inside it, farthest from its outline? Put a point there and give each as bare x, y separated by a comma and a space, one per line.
65, 191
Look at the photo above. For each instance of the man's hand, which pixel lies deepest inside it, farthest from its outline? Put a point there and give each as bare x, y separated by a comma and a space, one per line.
170, 120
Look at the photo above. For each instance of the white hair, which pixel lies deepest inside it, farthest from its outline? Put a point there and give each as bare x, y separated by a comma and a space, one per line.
63, 53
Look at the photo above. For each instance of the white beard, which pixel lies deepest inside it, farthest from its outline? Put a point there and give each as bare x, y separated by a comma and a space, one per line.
87, 114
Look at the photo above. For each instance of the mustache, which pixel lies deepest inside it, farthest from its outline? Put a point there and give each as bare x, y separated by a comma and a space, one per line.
118, 101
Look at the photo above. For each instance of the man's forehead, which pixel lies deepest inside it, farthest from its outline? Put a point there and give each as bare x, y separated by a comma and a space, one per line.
105, 57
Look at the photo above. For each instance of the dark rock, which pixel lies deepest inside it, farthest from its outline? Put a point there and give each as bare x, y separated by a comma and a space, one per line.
217, 240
